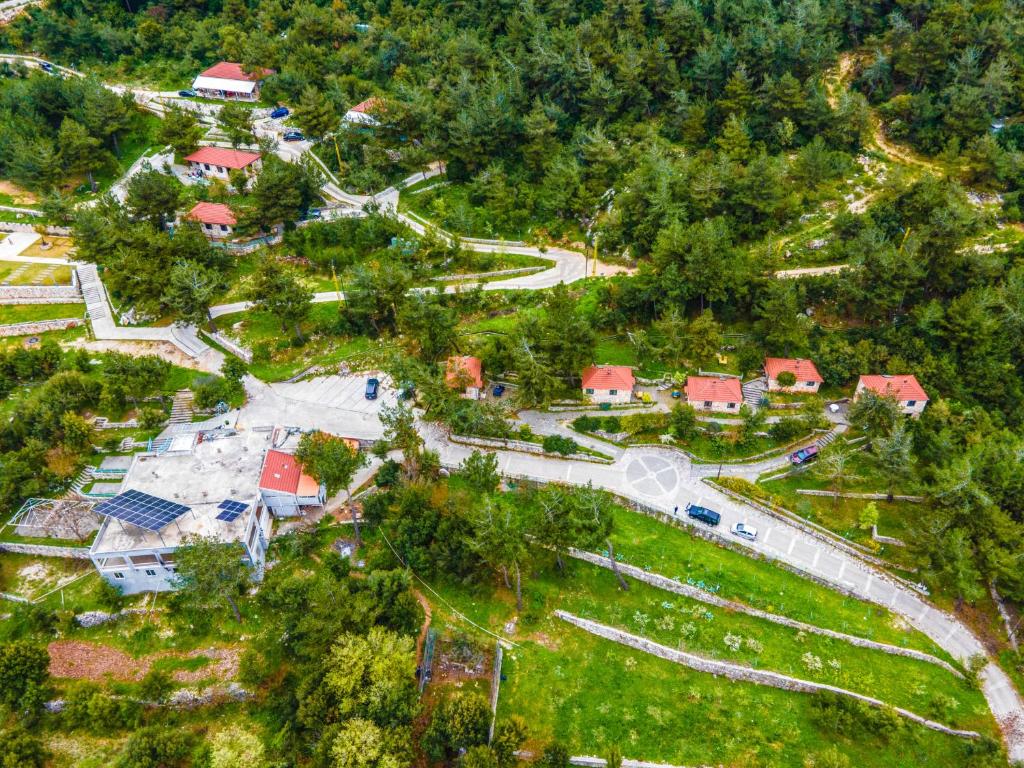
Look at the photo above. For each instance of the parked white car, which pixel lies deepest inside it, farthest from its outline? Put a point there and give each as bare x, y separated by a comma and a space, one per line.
744, 531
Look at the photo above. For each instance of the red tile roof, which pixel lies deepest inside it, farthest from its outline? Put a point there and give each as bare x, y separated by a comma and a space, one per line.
281, 472
212, 213
901, 387
804, 370
713, 389
227, 158
459, 366
367, 106
608, 377
230, 70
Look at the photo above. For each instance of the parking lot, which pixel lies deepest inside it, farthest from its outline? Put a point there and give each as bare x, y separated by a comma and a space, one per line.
335, 404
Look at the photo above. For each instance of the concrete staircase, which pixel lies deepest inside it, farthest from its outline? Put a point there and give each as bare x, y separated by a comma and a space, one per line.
181, 407
829, 437
753, 391
96, 304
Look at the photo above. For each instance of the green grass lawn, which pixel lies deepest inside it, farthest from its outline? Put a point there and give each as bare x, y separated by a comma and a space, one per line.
673, 552
23, 273
448, 206
275, 357
25, 313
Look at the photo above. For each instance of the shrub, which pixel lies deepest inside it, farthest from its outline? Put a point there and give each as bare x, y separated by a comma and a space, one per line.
785, 430
587, 423
612, 424
151, 418
559, 444
156, 686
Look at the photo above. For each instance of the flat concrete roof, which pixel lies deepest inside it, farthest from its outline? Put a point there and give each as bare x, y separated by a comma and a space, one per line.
116, 463
221, 466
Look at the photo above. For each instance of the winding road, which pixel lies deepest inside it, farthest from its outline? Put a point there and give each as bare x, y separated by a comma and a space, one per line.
658, 479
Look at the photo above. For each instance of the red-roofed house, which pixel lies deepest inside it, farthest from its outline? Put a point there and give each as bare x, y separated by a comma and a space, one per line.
465, 371
285, 488
217, 161
608, 383
807, 377
908, 393
362, 113
227, 80
714, 393
216, 219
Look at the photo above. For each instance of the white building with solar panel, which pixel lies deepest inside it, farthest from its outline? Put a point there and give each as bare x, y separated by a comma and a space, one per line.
204, 484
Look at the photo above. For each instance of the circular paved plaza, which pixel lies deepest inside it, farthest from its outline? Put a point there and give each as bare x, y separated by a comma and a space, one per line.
652, 476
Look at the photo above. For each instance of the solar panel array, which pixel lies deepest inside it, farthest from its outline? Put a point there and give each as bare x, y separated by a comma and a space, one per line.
141, 509
232, 509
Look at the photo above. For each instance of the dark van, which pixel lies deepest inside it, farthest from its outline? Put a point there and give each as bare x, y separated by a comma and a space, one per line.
703, 514
372, 387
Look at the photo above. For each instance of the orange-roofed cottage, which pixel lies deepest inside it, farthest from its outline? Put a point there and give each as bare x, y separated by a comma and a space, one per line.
608, 384
465, 372
285, 488
362, 113
219, 161
227, 80
216, 220
807, 377
905, 388
714, 393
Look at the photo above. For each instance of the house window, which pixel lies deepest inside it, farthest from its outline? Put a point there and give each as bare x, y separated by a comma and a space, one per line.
613, 391
221, 170
808, 383
730, 405
707, 403
911, 403
118, 575
589, 391
207, 226
223, 228
150, 572
206, 166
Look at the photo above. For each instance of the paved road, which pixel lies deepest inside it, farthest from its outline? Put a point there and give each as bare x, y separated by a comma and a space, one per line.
809, 271
661, 479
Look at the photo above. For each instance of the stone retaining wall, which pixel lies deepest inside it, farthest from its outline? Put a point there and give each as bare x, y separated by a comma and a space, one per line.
40, 326
745, 674
670, 585
59, 294
523, 447
11, 226
479, 275
232, 346
849, 495
45, 550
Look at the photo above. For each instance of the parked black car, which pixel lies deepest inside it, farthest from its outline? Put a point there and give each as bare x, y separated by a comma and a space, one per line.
705, 515
372, 388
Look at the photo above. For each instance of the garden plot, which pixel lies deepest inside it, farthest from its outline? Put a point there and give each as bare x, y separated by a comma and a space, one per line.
28, 577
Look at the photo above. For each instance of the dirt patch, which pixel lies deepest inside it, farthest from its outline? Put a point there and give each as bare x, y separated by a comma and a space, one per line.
163, 349
77, 660
18, 195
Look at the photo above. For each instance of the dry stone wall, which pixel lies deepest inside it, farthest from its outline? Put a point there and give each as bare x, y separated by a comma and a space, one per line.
741, 673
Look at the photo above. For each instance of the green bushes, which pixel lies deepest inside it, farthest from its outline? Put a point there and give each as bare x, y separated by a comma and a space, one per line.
610, 424
558, 444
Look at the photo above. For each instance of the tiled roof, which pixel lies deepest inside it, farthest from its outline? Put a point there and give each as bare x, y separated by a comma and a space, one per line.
713, 389
608, 377
230, 70
212, 213
804, 370
281, 472
368, 105
227, 158
903, 387
469, 365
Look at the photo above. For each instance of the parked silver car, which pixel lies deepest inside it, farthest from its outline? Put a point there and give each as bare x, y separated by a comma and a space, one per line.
744, 531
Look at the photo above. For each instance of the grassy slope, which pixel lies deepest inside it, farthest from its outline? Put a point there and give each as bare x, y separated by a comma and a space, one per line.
24, 313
